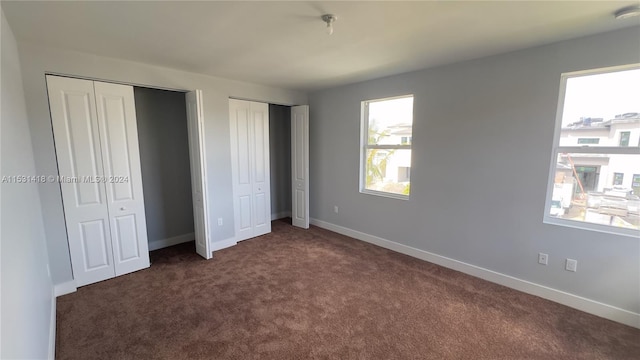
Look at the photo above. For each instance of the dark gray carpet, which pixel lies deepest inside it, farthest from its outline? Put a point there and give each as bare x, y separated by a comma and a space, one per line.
296, 294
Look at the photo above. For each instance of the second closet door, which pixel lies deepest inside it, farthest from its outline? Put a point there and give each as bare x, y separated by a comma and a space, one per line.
123, 177
249, 123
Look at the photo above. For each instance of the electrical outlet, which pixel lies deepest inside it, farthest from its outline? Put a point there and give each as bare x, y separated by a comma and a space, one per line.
571, 265
219, 221
543, 258
335, 209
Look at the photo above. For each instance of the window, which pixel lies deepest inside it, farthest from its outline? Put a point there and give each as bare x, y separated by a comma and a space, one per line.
386, 146
588, 141
624, 138
617, 178
598, 117
635, 184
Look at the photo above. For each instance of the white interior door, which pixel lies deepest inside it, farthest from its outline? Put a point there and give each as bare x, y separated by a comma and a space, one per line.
300, 166
77, 142
261, 169
123, 177
198, 172
249, 130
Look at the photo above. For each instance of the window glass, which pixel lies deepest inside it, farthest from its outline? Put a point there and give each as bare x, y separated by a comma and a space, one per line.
595, 182
386, 146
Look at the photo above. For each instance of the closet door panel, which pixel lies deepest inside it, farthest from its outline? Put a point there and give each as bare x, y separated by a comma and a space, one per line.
261, 169
241, 128
243, 147
195, 126
82, 149
78, 152
244, 203
123, 177
262, 217
95, 245
259, 132
125, 234
117, 154
300, 166
249, 124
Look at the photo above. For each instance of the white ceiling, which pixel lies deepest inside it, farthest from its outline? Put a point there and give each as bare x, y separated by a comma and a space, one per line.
284, 43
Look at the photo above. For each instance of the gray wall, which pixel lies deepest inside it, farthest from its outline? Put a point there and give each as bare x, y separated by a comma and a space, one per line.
280, 158
164, 157
36, 60
27, 293
483, 133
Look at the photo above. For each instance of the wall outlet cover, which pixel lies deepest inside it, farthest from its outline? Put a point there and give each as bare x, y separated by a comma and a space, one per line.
543, 258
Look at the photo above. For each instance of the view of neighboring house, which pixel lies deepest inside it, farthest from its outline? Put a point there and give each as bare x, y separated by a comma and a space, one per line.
397, 168
599, 187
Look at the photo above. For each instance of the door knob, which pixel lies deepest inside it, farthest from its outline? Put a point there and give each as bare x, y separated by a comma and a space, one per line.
123, 208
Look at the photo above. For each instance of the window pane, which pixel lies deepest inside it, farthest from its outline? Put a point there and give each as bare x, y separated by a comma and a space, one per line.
388, 170
602, 110
597, 188
624, 138
390, 121
617, 178
588, 141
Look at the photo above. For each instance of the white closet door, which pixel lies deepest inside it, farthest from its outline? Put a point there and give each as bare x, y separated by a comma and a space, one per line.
300, 166
249, 124
77, 141
261, 169
198, 172
241, 164
123, 177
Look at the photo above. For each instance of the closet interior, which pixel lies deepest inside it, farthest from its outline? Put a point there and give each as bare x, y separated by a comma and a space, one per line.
280, 160
166, 173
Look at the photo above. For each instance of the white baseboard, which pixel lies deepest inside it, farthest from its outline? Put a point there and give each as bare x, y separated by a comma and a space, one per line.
223, 244
65, 288
52, 326
577, 302
163, 243
280, 215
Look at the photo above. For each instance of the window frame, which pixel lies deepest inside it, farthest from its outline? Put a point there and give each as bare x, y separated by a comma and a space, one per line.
556, 149
617, 178
364, 146
625, 136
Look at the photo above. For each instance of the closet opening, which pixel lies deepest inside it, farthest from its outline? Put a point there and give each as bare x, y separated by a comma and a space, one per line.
163, 138
269, 165
280, 160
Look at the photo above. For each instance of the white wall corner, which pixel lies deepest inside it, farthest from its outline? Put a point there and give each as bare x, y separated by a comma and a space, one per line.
65, 288
52, 326
574, 301
280, 215
175, 240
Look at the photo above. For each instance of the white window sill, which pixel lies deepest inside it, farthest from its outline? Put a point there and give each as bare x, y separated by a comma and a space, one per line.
612, 230
385, 194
